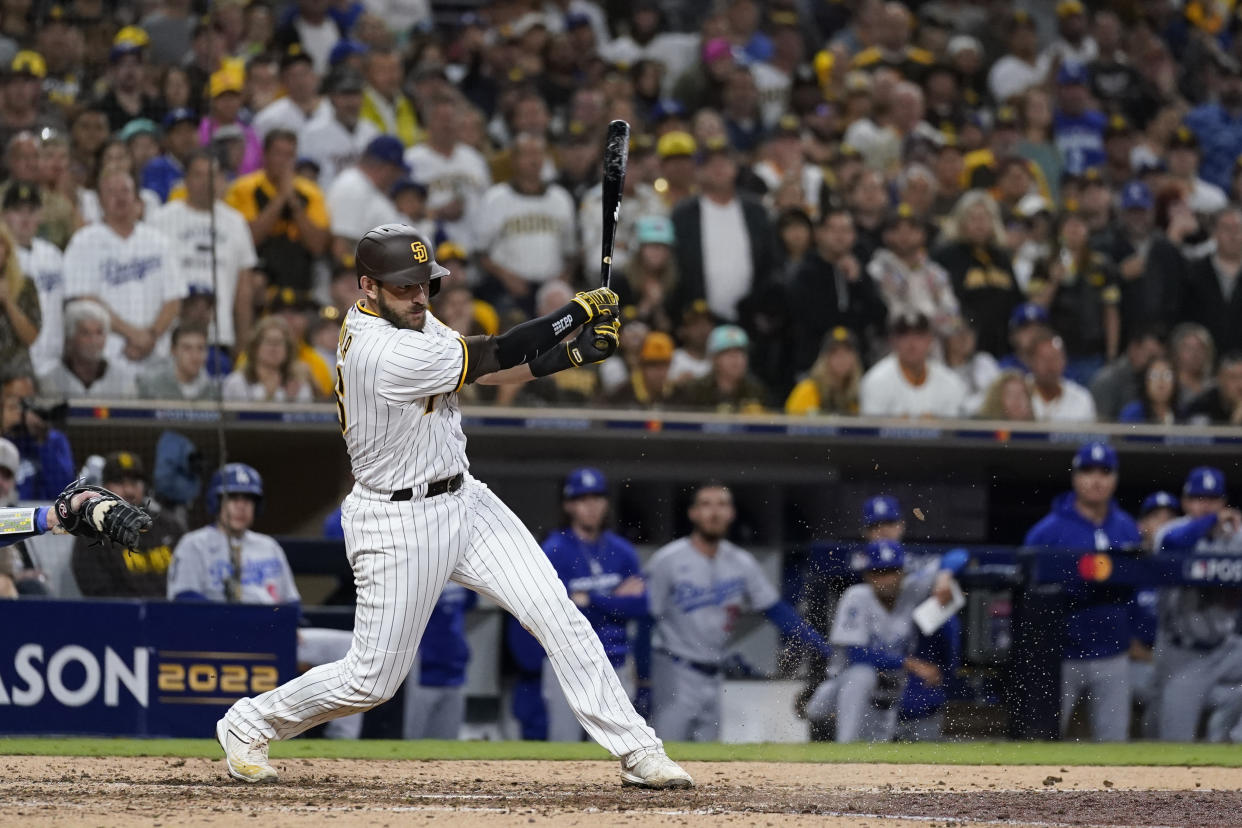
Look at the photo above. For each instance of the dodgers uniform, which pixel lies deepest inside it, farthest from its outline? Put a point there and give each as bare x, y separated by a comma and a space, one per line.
597, 569
696, 602
416, 519
1195, 646
1097, 628
135, 276
871, 642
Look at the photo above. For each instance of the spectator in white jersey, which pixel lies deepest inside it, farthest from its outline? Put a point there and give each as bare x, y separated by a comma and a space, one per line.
337, 140
1054, 398
908, 382
358, 198
42, 261
185, 377
129, 268
227, 272
525, 230
84, 370
455, 174
272, 372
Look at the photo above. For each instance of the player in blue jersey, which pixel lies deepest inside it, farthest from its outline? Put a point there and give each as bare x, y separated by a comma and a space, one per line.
603, 577
1096, 661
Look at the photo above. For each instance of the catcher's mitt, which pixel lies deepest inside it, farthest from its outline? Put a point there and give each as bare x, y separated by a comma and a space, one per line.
103, 516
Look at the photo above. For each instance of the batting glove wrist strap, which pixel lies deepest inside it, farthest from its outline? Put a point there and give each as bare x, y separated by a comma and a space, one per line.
594, 344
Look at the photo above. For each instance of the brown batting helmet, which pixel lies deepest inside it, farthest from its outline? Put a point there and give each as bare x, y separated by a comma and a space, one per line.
398, 255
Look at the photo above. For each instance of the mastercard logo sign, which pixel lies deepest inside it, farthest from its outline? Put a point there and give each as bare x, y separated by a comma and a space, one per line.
1095, 567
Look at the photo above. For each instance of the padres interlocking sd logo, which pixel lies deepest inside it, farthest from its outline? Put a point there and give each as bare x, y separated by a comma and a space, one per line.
420, 252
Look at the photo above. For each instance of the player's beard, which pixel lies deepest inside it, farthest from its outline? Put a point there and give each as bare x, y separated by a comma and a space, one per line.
395, 319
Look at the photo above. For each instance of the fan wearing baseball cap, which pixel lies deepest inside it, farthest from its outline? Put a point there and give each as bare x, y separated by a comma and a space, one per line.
1194, 639
358, 197
649, 385
907, 382
729, 388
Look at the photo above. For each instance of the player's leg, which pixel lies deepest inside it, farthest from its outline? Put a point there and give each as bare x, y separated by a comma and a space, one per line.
562, 723
1073, 678
1185, 680
503, 561
1109, 690
399, 576
707, 720
320, 645
450, 712
672, 698
855, 687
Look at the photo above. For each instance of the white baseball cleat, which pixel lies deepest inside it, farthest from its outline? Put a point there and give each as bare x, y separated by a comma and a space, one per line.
654, 770
246, 760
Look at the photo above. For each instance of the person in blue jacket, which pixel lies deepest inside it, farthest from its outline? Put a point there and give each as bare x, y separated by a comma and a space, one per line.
1096, 660
46, 458
603, 576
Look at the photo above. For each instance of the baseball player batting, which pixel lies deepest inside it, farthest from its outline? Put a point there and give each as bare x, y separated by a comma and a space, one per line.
416, 518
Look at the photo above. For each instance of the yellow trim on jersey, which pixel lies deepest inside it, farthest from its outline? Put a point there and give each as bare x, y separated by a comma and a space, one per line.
366, 310
465, 364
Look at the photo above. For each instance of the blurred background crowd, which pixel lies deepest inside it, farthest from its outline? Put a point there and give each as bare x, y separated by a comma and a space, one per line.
953, 208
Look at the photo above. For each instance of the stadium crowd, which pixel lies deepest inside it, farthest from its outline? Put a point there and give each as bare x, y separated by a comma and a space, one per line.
947, 208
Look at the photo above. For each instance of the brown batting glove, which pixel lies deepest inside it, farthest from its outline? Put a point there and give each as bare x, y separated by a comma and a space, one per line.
599, 303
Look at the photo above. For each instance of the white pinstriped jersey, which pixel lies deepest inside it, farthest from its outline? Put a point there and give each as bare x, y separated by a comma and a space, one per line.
396, 395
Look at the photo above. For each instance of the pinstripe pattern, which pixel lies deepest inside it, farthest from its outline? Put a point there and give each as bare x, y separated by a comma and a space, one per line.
403, 429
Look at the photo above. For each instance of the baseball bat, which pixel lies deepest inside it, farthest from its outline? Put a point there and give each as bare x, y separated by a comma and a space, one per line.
616, 154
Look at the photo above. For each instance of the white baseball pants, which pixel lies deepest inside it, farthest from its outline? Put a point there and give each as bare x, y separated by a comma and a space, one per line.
402, 554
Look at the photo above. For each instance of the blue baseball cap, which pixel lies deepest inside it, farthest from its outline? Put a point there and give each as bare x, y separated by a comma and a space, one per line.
1204, 481
582, 482
726, 337
407, 184
881, 509
665, 109
1095, 455
388, 149
1072, 73
575, 20
345, 49
1028, 313
1136, 196
180, 115
1158, 500
884, 554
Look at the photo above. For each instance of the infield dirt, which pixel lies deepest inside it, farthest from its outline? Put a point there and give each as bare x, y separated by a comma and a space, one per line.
195, 792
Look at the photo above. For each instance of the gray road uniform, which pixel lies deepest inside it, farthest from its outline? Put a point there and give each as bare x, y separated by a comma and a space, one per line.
870, 642
696, 601
1197, 653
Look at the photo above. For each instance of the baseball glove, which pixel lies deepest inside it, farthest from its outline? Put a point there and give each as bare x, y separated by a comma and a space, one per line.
104, 516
